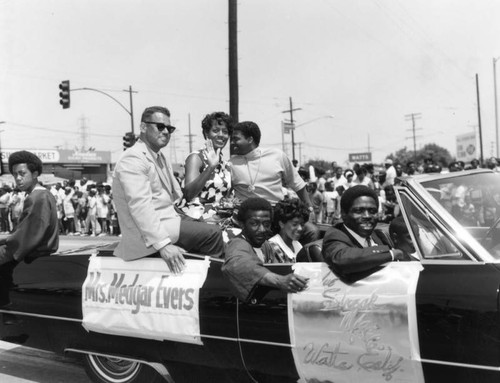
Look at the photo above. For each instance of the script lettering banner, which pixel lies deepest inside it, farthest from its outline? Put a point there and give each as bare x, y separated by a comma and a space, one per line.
141, 298
361, 332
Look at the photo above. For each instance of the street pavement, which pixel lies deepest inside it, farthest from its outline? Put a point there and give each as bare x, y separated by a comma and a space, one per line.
20, 364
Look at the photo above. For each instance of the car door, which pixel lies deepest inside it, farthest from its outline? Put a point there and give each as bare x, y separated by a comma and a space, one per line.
264, 335
456, 299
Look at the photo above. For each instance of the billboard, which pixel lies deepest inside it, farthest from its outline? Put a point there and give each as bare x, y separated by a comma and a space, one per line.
466, 147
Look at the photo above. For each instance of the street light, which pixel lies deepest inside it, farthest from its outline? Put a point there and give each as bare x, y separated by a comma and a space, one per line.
292, 128
315, 119
65, 98
496, 103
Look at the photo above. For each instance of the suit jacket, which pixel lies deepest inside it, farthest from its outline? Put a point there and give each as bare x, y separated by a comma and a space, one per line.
144, 199
349, 258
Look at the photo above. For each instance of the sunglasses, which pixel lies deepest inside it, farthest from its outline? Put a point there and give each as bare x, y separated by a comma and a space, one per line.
161, 126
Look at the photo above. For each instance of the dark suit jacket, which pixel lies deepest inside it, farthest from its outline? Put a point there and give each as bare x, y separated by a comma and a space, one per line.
348, 258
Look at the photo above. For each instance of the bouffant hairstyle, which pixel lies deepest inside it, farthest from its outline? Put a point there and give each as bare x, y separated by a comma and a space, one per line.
249, 129
252, 204
148, 112
32, 161
219, 117
351, 194
288, 209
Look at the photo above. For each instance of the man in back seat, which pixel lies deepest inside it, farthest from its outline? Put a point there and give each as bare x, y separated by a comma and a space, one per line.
247, 253
352, 248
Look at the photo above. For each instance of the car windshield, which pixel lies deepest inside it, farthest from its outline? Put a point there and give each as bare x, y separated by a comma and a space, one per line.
474, 201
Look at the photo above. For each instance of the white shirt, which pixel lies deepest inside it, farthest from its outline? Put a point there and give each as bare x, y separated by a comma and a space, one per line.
290, 253
360, 239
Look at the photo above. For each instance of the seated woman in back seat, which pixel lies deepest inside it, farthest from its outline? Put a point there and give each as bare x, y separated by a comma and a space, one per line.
290, 215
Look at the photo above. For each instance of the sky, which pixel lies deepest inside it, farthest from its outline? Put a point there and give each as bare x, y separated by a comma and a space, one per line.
355, 68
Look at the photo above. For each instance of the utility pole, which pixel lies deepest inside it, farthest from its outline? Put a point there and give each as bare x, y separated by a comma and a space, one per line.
190, 136
301, 160
496, 102
130, 91
479, 121
291, 110
84, 134
233, 59
413, 117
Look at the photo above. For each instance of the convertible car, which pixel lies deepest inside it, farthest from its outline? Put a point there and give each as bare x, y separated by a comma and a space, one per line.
435, 319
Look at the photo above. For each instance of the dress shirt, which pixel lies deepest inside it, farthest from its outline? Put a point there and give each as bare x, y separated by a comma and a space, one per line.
365, 242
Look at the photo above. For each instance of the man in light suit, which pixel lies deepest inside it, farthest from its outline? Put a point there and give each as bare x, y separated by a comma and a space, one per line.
145, 190
353, 248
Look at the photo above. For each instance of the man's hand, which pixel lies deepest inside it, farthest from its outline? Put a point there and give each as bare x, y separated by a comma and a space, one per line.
173, 256
400, 255
292, 283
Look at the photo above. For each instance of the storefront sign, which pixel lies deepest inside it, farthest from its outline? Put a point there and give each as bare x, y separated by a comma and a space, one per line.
47, 156
142, 299
89, 157
365, 332
64, 156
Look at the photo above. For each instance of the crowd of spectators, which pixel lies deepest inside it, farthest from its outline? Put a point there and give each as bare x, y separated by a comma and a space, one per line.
326, 188
84, 208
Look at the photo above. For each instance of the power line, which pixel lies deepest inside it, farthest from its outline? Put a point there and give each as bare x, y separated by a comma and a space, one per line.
56, 130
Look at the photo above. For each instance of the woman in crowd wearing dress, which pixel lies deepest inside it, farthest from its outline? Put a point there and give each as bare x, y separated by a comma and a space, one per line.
207, 181
290, 215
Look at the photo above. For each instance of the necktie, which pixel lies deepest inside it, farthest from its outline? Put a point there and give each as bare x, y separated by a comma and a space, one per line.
161, 162
171, 187
369, 242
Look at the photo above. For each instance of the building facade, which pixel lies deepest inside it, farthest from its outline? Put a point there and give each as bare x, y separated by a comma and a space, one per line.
69, 164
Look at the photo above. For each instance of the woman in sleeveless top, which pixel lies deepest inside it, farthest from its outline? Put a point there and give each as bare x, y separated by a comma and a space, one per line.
207, 183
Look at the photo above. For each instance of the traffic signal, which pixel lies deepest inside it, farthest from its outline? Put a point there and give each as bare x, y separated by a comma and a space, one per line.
64, 94
128, 140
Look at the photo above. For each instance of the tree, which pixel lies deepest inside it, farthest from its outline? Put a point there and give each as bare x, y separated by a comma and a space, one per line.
438, 154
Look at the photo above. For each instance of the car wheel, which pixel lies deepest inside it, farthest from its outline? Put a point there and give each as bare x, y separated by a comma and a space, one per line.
103, 369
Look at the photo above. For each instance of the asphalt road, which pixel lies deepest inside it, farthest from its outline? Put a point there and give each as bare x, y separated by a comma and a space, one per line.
20, 364
26, 365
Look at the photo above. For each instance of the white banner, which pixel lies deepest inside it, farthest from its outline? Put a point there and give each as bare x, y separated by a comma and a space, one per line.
141, 298
361, 332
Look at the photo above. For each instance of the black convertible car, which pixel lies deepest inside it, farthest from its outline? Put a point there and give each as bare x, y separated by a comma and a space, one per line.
436, 319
